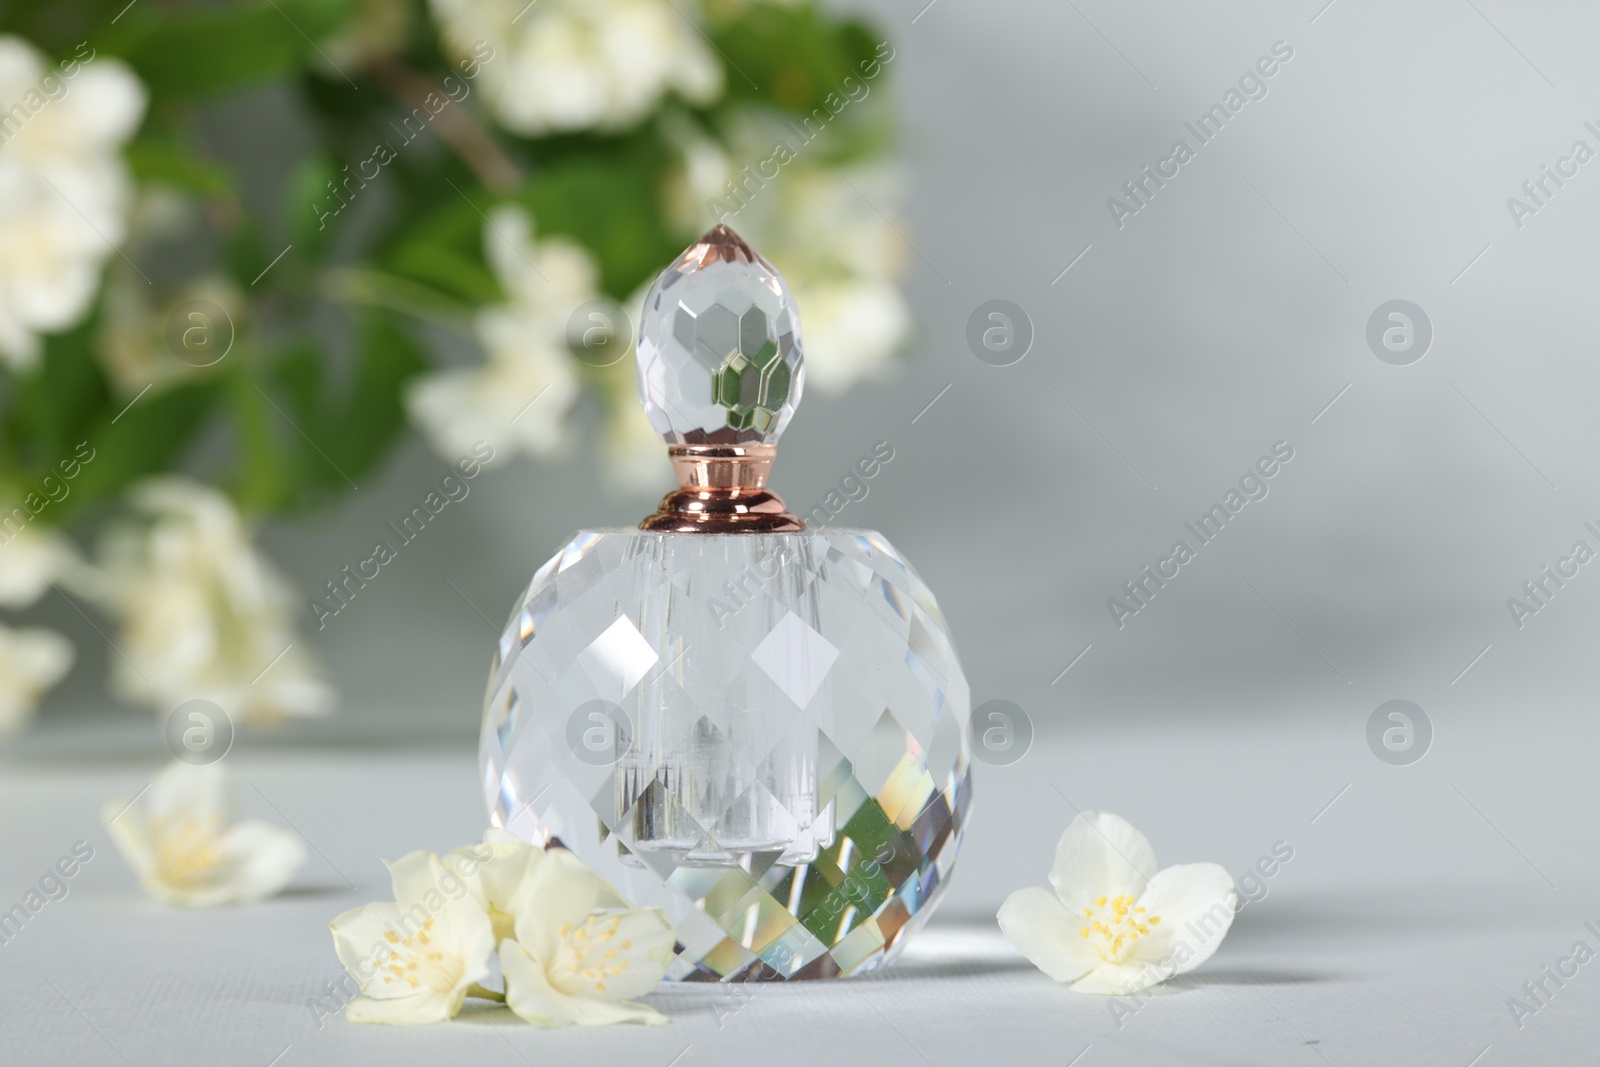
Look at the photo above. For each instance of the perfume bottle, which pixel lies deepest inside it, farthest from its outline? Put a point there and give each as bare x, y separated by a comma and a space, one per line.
759, 727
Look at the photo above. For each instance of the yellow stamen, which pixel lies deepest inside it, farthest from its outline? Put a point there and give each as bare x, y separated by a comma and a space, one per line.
1115, 924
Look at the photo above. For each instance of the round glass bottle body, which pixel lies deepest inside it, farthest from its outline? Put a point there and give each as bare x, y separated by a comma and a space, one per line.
763, 733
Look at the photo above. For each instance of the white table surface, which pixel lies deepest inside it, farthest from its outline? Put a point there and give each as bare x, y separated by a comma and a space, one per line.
1415, 905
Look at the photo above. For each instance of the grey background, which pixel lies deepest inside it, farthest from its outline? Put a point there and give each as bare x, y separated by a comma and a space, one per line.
1222, 318
1229, 714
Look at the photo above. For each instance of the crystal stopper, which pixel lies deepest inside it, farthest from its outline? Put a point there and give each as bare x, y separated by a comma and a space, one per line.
720, 374
719, 347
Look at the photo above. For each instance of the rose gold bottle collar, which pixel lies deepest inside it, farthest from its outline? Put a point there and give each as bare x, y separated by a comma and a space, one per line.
722, 489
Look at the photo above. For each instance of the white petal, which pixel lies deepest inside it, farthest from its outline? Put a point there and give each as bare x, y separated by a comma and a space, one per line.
507, 242
640, 948
560, 890
31, 661
462, 925
33, 557
1196, 904
531, 996
528, 992
1101, 854
106, 103
359, 939
21, 65
412, 876
1036, 922
126, 822
501, 862
263, 857
494, 871
19, 348
418, 1009
188, 791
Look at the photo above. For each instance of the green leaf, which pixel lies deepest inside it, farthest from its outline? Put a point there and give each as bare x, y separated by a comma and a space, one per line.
169, 161
374, 411
261, 481
55, 404
305, 438
298, 403
796, 56
444, 250
307, 190
201, 51
245, 254
147, 438
608, 198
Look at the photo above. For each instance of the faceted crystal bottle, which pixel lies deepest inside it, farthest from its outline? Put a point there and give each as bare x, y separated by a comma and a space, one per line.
759, 727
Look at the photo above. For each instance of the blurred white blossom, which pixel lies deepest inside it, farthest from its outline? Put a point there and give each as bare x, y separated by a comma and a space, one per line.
565, 65
824, 226
134, 347
63, 189
31, 661
181, 842
519, 398
635, 456
204, 615
32, 557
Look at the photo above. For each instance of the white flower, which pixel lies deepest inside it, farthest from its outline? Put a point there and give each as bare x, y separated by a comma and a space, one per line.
134, 348
635, 456
842, 260
34, 556
494, 872
853, 328
204, 615
1114, 923
581, 953
179, 841
31, 661
518, 400
562, 65
415, 959
63, 188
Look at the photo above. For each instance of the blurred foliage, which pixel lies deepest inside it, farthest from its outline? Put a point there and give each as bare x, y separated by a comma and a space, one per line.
284, 423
